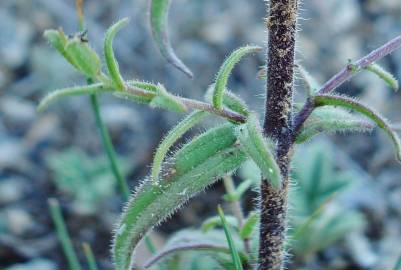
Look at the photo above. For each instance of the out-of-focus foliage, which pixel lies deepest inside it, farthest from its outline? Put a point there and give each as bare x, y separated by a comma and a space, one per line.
87, 179
317, 217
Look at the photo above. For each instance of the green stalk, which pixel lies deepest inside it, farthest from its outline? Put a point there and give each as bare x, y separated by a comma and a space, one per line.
90, 258
63, 235
108, 147
106, 140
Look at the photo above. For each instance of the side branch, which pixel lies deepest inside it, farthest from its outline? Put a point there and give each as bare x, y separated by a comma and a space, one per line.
345, 74
194, 104
353, 68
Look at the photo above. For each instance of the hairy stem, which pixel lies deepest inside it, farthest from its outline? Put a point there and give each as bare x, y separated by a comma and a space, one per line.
341, 77
281, 23
194, 104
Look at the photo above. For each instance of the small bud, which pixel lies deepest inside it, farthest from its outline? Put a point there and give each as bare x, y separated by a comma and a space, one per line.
85, 59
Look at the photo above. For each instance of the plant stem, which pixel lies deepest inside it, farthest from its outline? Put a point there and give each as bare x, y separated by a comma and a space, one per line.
281, 24
236, 208
107, 144
235, 205
193, 104
341, 77
90, 258
106, 140
63, 235
108, 147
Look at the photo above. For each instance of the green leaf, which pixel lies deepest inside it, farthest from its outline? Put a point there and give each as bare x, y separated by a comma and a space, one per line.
230, 100
193, 168
173, 135
386, 76
71, 91
234, 252
331, 120
225, 71
167, 101
249, 226
213, 222
158, 20
239, 191
255, 145
349, 103
312, 86
58, 40
85, 59
112, 64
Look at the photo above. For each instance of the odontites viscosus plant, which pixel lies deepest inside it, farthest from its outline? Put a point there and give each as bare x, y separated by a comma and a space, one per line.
178, 176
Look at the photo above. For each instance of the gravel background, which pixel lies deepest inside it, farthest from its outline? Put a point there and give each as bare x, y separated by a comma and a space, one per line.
203, 34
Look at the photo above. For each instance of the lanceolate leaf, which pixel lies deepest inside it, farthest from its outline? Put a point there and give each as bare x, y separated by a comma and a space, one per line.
76, 51
349, 103
386, 76
213, 222
249, 226
239, 191
230, 241
85, 59
230, 100
255, 145
331, 120
112, 64
58, 40
158, 19
310, 83
72, 91
194, 167
174, 134
225, 71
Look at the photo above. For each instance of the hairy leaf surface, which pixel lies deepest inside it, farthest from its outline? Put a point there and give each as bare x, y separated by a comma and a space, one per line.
331, 120
255, 145
386, 76
111, 62
349, 103
183, 126
194, 167
85, 58
71, 91
225, 71
230, 100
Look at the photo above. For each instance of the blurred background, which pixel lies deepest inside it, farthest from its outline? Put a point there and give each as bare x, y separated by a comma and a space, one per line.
58, 153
